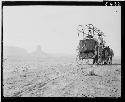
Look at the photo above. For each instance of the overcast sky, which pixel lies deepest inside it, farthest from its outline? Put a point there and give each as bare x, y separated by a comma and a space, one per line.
54, 27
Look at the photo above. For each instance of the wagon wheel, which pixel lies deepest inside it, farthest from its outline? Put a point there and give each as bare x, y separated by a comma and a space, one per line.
78, 60
85, 61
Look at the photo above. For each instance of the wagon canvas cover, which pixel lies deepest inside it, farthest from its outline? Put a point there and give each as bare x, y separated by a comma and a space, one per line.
87, 45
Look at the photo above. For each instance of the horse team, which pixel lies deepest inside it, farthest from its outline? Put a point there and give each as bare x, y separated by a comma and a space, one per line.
103, 55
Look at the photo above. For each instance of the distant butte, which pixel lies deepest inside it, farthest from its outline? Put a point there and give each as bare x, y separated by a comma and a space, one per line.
38, 52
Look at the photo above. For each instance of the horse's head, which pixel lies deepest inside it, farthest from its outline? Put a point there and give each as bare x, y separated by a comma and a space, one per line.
108, 51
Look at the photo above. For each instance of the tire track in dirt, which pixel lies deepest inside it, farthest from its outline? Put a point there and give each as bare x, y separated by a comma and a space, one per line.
35, 87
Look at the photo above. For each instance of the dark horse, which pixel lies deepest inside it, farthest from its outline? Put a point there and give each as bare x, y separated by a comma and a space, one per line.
103, 56
107, 55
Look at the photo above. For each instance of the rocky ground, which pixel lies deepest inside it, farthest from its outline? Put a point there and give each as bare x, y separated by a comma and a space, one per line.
35, 79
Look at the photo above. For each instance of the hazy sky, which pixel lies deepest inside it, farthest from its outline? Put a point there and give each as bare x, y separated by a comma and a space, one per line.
54, 27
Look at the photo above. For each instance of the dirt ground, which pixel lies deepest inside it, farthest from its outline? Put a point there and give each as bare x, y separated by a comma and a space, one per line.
60, 79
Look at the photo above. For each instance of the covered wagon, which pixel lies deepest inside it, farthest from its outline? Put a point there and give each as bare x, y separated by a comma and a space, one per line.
92, 49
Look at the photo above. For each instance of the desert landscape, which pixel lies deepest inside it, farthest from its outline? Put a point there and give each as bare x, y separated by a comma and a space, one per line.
39, 75
42, 44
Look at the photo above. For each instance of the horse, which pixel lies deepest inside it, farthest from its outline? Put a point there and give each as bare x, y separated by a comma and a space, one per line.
107, 55
103, 55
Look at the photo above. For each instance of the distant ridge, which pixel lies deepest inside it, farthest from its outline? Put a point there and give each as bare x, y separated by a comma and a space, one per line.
14, 51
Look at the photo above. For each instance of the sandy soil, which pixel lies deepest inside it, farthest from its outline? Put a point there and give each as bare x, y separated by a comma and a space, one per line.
60, 79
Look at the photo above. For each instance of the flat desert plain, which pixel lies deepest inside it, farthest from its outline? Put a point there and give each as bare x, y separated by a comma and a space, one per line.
59, 77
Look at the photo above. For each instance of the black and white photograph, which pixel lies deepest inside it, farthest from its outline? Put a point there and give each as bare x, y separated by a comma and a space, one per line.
61, 51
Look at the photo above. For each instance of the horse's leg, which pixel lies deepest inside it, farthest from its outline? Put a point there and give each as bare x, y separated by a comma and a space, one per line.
108, 60
97, 61
101, 60
111, 59
105, 62
93, 60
